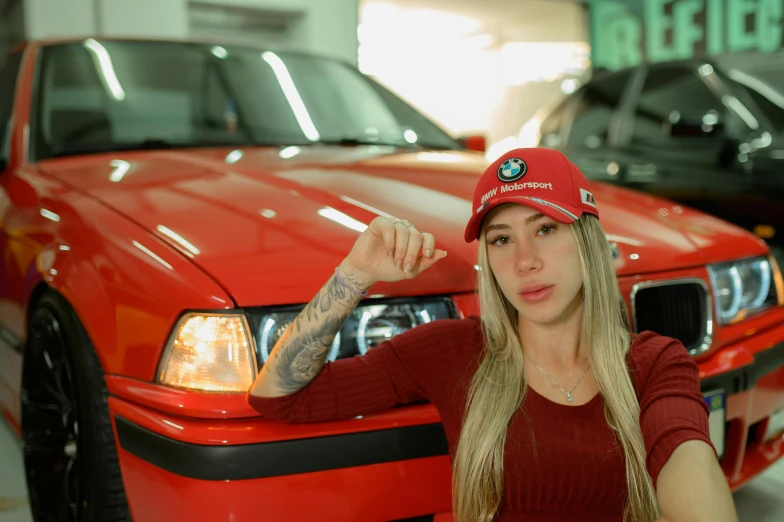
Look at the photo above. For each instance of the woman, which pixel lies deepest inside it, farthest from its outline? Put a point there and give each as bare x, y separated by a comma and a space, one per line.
552, 411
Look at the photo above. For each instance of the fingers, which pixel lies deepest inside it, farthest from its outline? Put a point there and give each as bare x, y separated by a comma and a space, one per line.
413, 251
426, 262
387, 230
428, 244
401, 243
414, 246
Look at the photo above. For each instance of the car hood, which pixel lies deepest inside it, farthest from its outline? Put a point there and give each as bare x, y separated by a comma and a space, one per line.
270, 225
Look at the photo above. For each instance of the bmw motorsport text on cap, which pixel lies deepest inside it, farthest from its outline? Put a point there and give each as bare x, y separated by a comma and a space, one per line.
540, 178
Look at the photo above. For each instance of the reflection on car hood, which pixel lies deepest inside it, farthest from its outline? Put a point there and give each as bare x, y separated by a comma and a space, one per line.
271, 229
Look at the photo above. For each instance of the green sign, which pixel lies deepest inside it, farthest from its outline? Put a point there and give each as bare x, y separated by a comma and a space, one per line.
625, 33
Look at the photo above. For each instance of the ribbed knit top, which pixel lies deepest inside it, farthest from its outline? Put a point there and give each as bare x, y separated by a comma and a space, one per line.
577, 472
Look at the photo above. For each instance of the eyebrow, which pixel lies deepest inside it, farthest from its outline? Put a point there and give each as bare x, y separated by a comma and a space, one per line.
504, 226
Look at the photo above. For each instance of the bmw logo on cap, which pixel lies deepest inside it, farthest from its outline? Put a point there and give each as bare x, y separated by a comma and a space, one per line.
512, 170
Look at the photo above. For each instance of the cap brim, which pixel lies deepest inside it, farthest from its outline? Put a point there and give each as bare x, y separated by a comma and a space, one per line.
561, 213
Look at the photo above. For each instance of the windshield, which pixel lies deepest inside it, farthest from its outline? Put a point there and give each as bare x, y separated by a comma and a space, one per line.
113, 95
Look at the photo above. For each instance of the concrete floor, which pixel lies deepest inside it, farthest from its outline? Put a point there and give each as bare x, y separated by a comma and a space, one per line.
760, 501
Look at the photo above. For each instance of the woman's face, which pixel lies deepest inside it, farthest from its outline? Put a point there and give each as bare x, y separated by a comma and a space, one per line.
535, 261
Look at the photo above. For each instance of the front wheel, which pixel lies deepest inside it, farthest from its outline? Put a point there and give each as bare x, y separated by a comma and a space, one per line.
69, 451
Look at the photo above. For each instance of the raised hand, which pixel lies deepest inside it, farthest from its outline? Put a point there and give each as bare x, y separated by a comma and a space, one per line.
392, 249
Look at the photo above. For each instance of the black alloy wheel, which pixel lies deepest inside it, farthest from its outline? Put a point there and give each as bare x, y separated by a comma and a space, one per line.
50, 423
70, 457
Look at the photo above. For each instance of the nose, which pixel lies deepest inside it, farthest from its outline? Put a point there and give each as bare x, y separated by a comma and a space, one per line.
527, 260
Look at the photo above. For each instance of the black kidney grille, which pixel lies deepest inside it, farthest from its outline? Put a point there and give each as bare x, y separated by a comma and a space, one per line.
676, 310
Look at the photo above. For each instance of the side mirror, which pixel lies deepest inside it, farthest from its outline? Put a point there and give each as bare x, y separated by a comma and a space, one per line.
475, 142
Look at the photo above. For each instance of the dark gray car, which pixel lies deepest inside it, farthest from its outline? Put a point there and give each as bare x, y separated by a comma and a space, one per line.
708, 134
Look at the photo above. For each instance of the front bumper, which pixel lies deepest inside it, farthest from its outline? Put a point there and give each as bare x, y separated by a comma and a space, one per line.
183, 457
753, 392
210, 470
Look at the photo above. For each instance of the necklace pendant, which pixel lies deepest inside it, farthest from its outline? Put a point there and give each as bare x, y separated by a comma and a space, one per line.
569, 397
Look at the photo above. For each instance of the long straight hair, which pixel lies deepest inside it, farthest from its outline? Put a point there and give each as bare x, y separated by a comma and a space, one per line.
498, 388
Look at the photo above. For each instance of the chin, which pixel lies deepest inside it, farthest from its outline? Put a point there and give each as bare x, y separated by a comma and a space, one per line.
543, 317
541, 313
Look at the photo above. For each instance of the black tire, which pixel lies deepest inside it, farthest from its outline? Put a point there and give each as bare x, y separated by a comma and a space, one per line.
71, 464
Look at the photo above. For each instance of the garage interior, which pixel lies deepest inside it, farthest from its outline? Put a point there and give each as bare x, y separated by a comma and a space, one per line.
485, 68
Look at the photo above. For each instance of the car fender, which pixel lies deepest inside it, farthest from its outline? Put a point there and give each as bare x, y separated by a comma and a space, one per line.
127, 287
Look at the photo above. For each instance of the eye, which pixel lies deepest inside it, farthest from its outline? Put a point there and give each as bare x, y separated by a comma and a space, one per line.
547, 228
499, 240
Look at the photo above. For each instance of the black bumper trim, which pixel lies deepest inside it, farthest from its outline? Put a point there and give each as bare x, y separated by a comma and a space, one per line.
272, 459
745, 378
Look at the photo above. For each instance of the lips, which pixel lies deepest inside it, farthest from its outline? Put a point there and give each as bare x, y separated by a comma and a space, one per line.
530, 289
536, 293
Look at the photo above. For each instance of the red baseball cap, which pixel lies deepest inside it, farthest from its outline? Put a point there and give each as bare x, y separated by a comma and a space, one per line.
540, 178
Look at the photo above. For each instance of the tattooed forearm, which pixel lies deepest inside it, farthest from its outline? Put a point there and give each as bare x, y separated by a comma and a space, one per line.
303, 356
301, 352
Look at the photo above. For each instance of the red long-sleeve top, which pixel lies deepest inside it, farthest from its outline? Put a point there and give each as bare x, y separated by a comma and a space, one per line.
578, 472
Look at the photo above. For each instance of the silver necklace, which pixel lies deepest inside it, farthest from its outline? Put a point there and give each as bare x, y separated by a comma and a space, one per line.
568, 393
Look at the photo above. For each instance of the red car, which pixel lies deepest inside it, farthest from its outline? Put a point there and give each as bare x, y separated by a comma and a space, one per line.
167, 208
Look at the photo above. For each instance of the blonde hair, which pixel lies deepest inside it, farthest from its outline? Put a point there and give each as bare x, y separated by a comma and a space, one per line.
498, 387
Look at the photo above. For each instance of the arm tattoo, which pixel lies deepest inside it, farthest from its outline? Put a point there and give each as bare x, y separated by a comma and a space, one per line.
301, 352
303, 358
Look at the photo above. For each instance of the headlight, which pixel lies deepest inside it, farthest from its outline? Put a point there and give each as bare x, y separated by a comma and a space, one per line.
209, 352
743, 288
367, 327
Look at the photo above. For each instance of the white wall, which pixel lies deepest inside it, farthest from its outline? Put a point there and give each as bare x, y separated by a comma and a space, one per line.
324, 26
55, 18
59, 18
151, 18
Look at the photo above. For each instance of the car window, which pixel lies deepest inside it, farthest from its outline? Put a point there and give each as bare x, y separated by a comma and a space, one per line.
551, 129
760, 80
769, 102
8, 75
677, 108
109, 95
593, 113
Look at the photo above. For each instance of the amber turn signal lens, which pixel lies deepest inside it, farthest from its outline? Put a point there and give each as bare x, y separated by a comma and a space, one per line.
211, 353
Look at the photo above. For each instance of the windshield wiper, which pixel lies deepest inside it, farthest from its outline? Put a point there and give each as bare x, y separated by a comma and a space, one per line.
350, 141
147, 144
